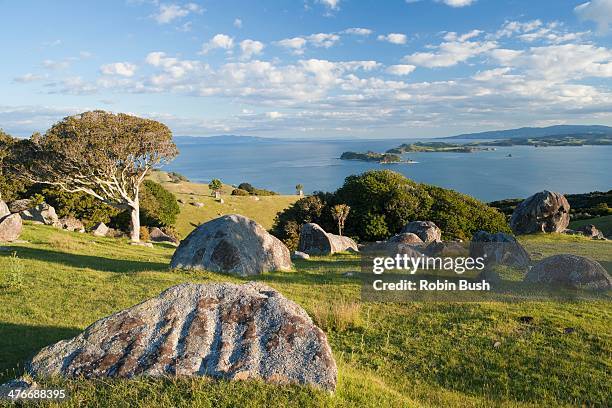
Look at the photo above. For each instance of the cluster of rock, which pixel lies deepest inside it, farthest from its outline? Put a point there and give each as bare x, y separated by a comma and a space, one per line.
315, 241
220, 330
232, 244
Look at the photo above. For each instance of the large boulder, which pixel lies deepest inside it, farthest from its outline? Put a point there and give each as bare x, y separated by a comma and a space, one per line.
499, 249
315, 241
42, 213
70, 223
220, 330
10, 228
406, 238
545, 211
570, 270
18, 206
426, 230
232, 244
446, 249
157, 235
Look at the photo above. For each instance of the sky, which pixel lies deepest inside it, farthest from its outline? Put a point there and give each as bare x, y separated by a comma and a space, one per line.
309, 68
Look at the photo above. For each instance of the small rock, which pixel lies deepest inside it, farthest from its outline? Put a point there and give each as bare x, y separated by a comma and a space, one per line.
426, 230
299, 255
100, 230
197, 204
497, 344
526, 319
42, 213
71, 224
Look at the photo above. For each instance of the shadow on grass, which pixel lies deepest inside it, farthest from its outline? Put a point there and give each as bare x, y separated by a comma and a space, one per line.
88, 261
19, 343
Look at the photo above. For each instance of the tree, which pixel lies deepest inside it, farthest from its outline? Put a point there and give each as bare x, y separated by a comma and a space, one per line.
102, 154
340, 212
11, 184
215, 185
299, 189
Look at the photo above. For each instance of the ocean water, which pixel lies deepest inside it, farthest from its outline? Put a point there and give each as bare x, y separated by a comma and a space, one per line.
281, 164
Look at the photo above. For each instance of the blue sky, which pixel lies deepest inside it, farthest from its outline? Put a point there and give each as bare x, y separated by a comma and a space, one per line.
309, 69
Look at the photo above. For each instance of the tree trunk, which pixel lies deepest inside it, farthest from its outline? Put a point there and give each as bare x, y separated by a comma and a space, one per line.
135, 214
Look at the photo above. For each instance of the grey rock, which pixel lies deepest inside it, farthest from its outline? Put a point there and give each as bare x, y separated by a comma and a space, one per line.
406, 238
197, 204
545, 211
157, 235
20, 205
4, 209
426, 230
42, 213
591, 231
315, 241
499, 249
446, 249
232, 244
220, 330
10, 228
570, 270
299, 255
142, 244
71, 224
100, 230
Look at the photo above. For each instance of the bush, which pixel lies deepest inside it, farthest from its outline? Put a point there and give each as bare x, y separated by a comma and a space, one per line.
255, 191
382, 202
144, 233
246, 187
11, 187
239, 192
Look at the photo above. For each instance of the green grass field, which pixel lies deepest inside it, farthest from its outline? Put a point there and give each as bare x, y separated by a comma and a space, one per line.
389, 354
263, 210
604, 224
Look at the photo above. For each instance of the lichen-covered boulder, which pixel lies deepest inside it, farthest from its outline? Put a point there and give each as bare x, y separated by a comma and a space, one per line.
42, 213
4, 209
157, 235
570, 270
10, 228
446, 249
591, 231
499, 249
406, 238
101, 230
426, 230
315, 241
71, 224
220, 330
20, 205
232, 244
545, 211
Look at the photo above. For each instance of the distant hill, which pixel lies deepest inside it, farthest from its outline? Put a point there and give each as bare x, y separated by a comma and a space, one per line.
527, 132
221, 139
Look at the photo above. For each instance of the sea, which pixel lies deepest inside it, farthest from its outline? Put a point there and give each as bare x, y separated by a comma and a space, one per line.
281, 164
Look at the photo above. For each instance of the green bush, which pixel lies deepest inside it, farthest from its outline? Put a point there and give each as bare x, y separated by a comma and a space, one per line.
11, 187
255, 191
246, 187
240, 192
158, 206
382, 202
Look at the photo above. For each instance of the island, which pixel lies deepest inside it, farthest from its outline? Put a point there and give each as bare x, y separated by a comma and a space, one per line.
559, 140
382, 158
437, 147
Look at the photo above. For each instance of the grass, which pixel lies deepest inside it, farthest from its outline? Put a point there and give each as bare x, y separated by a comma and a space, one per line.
602, 223
263, 210
389, 354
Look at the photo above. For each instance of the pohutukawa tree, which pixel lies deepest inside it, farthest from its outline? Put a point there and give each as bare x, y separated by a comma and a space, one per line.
103, 154
340, 212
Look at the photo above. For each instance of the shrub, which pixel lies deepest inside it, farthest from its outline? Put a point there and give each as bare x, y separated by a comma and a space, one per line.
11, 186
246, 187
177, 177
239, 192
339, 316
255, 191
144, 233
382, 202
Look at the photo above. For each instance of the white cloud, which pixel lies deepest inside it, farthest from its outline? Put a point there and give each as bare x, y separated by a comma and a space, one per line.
332, 4
29, 77
295, 45
393, 38
56, 64
458, 3
238, 23
358, 31
324, 40
456, 49
167, 13
599, 11
221, 41
250, 48
274, 115
402, 69
125, 69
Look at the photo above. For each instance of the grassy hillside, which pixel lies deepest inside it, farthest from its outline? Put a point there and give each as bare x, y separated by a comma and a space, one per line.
263, 210
397, 355
602, 223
